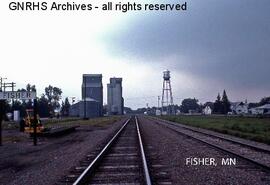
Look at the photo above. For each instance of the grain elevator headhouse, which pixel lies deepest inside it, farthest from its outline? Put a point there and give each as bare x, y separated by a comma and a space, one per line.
114, 97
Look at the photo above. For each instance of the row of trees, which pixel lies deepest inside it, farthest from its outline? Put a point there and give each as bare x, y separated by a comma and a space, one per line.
220, 106
47, 104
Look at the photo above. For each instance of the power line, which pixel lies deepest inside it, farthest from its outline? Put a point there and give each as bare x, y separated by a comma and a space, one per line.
154, 97
142, 97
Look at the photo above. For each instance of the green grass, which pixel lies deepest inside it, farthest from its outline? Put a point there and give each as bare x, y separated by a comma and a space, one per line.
99, 122
102, 121
10, 125
256, 129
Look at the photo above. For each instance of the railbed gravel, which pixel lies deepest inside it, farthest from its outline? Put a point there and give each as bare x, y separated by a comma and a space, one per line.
210, 132
24, 164
174, 148
251, 153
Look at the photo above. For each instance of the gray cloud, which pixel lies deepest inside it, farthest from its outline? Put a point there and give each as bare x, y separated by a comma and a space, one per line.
225, 40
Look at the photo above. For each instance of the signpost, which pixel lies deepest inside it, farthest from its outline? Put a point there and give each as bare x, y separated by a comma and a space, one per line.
22, 95
1, 118
35, 122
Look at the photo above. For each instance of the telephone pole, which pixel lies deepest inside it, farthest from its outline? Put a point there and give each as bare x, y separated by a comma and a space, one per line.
10, 85
158, 101
2, 102
2, 109
1, 83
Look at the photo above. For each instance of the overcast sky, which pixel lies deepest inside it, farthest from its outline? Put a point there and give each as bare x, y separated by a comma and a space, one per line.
214, 45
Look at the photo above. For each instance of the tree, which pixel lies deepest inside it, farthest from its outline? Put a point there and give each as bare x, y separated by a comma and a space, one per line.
222, 106
128, 110
43, 106
189, 104
65, 107
140, 110
217, 105
225, 103
30, 87
265, 100
53, 95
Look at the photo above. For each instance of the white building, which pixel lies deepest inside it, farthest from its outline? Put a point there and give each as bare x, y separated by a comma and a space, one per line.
239, 108
207, 110
265, 109
158, 112
114, 97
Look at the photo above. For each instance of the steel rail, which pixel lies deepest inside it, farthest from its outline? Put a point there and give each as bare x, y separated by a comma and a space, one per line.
145, 167
261, 165
83, 178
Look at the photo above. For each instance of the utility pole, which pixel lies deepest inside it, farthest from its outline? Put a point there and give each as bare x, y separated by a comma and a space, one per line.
84, 81
35, 123
2, 103
10, 85
1, 110
1, 118
12, 89
1, 83
158, 101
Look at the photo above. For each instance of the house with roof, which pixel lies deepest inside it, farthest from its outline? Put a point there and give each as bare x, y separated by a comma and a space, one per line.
239, 108
263, 110
207, 110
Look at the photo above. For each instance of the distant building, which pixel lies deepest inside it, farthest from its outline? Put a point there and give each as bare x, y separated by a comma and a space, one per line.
74, 109
255, 111
158, 112
239, 108
263, 110
207, 110
115, 99
91, 104
92, 87
92, 96
178, 112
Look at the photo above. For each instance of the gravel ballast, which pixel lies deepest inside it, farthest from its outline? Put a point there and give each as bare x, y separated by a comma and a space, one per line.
45, 164
174, 149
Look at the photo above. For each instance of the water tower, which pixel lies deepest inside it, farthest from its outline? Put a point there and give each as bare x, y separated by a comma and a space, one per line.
167, 106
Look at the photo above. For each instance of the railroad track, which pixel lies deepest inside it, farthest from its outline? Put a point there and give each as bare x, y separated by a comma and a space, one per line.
219, 136
256, 155
121, 161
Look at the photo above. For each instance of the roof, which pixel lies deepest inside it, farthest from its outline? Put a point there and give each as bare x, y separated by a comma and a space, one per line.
89, 99
236, 104
93, 75
266, 106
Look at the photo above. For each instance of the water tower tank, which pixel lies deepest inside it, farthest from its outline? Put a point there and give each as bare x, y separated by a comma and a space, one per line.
166, 75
